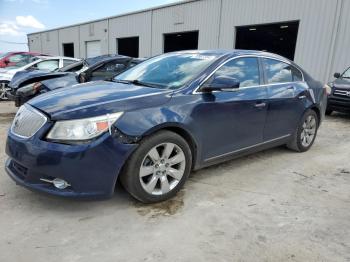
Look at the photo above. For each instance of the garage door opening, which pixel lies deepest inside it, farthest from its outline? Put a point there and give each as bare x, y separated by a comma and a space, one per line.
128, 46
180, 41
68, 49
279, 38
93, 48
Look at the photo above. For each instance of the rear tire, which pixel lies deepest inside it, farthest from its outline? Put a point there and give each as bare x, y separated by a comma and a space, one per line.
158, 168
306, 132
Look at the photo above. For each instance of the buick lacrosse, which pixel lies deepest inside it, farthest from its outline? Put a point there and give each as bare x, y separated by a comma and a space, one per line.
159, 120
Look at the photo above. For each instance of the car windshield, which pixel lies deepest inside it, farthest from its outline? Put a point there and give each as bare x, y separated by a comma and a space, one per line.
346, 74
2, 55
169, 71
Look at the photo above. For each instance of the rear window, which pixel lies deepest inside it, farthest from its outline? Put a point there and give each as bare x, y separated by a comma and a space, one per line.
280, 72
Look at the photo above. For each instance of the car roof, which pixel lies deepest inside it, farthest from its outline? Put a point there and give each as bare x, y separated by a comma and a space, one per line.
58, 57
233, 53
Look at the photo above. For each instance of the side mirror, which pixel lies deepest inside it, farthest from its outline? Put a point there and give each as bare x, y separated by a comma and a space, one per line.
337, 75
221, 83
7, 61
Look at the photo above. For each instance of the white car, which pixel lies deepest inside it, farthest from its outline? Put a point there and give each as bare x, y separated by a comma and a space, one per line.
43, 63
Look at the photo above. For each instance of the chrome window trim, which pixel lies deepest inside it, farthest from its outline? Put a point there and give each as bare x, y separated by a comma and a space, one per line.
196, 90
28, 107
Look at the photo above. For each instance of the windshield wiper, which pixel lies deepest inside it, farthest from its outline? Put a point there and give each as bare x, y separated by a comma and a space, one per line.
139, 83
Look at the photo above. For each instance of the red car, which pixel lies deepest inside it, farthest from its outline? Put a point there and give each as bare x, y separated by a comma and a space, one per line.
17, 58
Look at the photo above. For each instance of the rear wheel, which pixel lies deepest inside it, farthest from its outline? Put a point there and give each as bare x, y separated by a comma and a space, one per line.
305, 135
158, 168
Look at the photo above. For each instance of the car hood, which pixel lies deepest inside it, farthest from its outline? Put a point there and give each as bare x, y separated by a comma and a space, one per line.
32, 76
98, 98
343, 83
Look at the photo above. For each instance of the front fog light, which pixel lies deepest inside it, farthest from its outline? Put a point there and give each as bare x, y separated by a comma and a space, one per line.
60, 183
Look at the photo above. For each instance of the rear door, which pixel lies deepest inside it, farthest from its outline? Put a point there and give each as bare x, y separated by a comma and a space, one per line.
286, 96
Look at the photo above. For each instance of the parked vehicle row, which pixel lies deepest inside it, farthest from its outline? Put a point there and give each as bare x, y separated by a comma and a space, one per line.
26, 85
155, 122
42, 63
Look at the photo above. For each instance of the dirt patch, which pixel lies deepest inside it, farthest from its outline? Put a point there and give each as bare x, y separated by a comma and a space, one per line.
166, 208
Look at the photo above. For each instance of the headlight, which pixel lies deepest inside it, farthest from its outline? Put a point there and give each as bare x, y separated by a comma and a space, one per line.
82, 129
30, 89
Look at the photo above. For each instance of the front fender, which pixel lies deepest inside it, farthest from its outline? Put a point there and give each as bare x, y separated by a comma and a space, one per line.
138, 124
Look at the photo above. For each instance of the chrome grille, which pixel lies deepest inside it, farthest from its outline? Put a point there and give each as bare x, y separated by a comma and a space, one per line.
343, 93
27, 121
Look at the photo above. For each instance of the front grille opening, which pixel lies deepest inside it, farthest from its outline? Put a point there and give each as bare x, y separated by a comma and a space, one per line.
19, 170
27, 122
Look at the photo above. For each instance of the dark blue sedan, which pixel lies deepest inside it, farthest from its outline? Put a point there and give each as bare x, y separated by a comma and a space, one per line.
156, 122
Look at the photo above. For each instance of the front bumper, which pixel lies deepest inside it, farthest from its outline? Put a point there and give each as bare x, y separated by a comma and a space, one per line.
336, 103
91, 169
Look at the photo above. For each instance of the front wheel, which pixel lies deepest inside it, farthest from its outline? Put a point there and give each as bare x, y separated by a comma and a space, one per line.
3, 94
158, 168
306, 132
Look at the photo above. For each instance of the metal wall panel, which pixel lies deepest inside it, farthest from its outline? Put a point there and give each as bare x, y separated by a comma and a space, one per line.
69, 35
315, 29
49, 42
139, 24
200, 15
93, 32
34, 43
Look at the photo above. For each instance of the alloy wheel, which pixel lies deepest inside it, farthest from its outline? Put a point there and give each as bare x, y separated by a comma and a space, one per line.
308, 131
162, 169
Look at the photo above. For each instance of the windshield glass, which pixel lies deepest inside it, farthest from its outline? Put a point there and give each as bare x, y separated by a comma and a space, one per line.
2, 55
167, 71
346, 74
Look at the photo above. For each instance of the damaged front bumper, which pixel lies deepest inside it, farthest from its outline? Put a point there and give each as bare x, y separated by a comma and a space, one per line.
90, 169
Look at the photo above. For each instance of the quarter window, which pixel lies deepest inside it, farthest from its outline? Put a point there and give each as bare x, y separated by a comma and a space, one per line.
280, 72
245, 70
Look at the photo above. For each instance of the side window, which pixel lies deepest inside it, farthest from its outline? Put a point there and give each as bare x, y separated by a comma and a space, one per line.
277, 71
49, 65
68, 62
108, 69
245, 70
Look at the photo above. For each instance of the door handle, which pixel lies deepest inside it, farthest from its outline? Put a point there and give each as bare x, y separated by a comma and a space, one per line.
260, 105
301, 96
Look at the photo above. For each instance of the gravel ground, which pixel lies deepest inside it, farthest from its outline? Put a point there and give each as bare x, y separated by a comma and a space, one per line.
276, 205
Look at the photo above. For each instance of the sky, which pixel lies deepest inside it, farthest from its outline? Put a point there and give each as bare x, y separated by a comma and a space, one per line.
19, 17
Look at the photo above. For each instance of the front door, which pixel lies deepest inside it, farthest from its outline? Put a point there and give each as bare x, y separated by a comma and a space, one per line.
233, 120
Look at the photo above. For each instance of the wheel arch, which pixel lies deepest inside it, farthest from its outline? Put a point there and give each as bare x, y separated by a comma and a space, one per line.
181, 131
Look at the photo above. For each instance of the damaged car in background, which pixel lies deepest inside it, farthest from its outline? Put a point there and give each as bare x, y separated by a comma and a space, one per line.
26, 85
42, 63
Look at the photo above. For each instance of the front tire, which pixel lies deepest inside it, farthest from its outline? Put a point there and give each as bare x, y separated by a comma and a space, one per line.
306, 132
158, 168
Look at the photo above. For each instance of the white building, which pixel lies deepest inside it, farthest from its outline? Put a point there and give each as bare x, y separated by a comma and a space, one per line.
313, 33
